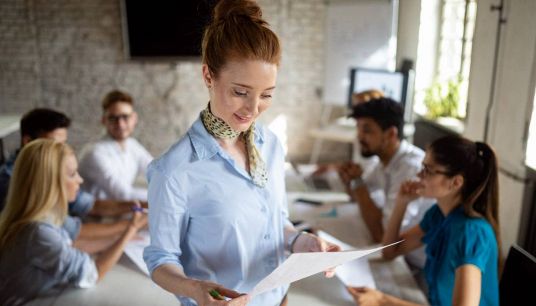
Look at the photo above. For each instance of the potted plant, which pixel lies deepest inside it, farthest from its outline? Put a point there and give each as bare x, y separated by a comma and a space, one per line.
442, 98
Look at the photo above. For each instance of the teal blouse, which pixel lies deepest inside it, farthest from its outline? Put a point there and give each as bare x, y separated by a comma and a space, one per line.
453, 241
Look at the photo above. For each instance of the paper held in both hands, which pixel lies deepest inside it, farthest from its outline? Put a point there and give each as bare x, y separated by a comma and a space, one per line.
296, 267
301, 265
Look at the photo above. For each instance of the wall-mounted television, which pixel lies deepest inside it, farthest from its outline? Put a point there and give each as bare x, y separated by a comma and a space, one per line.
396, 85
165, 29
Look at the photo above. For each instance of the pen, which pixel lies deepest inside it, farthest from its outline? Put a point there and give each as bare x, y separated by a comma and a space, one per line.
215, 294
139, 209
307, 201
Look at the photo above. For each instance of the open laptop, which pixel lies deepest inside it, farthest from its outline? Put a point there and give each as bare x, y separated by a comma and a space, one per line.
318, 183
328, 181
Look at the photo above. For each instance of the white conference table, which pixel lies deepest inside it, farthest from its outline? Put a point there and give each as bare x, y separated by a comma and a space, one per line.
125, 284
343, 221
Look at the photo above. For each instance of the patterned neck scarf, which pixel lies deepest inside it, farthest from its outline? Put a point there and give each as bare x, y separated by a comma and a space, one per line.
219, 129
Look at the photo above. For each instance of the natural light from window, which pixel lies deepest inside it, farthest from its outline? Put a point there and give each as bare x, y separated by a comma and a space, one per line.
279, 127
455, 46
444, 56
531, 144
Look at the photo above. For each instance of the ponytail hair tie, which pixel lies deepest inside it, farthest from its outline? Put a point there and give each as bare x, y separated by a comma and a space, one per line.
481, 149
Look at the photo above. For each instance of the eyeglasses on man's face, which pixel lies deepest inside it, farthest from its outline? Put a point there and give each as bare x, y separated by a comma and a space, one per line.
117, 118
427, 171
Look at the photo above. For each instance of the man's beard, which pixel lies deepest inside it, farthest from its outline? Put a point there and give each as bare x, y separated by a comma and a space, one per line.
367, 154
365, 151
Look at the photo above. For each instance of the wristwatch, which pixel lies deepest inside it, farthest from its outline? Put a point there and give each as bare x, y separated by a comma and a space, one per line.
292, 239
356, 183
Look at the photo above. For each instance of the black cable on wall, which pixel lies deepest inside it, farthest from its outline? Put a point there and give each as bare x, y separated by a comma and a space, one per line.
500, 22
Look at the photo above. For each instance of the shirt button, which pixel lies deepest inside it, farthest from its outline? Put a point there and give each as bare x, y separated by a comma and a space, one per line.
267, 236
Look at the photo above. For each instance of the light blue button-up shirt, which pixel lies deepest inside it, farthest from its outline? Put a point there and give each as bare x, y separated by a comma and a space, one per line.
207, 217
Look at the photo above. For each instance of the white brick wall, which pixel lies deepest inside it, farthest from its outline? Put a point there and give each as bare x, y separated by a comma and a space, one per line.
68, 54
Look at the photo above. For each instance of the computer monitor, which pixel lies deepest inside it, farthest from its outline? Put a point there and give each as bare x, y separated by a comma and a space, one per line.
394, 84
518, 278
165, 30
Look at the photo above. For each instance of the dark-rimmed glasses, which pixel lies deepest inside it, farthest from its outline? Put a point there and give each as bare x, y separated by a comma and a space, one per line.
117, 118
427, 172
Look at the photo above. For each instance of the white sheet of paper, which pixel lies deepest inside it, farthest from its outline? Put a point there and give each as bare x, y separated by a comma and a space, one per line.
302, 265
355, 273
134, 250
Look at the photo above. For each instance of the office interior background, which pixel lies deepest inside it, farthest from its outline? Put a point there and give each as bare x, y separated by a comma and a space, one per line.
66, 54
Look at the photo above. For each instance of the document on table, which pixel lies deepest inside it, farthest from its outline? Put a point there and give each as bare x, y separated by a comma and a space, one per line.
134, 250
355, 273
302, 265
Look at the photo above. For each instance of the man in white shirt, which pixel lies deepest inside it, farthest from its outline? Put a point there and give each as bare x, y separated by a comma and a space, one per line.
380, 124
111, 165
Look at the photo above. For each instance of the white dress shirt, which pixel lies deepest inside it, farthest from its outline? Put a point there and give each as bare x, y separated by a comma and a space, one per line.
109, 170
383, 183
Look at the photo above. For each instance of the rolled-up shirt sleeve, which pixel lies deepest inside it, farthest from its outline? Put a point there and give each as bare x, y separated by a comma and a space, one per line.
63, 263
83, 203
168, 220
72, 226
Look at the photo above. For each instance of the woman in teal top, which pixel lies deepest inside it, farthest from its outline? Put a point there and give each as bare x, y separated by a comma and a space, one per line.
460, 231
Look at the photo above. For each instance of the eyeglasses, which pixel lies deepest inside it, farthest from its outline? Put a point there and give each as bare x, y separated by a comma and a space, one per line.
117, 118
427, 172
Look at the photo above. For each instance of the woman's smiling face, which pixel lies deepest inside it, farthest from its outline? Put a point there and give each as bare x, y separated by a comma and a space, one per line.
241, 91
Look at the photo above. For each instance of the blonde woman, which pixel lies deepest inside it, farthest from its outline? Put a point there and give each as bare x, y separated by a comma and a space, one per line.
36, 255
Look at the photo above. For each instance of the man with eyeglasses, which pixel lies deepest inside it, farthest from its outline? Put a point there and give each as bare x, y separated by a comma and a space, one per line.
90, 237
111, 165
380, 125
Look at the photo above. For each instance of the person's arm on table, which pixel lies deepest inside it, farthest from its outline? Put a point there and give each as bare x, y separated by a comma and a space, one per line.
371, 214
94, 246
108, 258
372, 297
466, 291
112, 208
350, 175
412, 237
95, 231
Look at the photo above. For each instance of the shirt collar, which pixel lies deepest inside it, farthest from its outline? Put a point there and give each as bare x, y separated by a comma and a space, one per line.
114, 143
402, 149
206, 146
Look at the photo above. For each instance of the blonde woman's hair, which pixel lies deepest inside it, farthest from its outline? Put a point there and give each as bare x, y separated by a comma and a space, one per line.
36, 189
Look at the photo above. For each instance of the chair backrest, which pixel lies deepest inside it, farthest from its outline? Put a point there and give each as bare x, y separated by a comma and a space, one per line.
518, 278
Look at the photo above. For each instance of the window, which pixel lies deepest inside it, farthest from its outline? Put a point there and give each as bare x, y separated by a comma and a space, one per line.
447, 52
455, 46
531, 144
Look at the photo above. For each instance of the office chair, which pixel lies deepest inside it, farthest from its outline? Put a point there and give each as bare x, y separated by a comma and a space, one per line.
518, 279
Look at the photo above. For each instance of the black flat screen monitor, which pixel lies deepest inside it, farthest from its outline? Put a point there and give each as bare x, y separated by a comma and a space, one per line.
165, 29
396, 85
518, 278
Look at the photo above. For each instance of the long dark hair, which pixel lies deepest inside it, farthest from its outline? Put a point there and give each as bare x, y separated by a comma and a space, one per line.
477, 163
